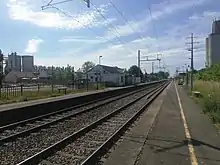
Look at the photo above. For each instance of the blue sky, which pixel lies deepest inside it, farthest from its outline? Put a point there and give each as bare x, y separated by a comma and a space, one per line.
83, 34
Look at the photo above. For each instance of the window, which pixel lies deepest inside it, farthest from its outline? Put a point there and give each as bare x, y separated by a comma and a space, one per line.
91, 77
96, 79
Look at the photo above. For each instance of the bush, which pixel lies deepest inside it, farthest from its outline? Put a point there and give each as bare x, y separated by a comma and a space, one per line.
211, 98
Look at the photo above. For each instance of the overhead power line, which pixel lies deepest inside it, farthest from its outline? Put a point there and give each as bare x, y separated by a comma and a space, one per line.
126, 20
115, 30
86, 26
118, 36
50, 3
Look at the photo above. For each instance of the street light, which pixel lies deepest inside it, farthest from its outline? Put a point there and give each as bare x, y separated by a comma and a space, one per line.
100, 59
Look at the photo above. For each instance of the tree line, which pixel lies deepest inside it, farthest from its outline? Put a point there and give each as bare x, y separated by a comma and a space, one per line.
209, 74
69, 73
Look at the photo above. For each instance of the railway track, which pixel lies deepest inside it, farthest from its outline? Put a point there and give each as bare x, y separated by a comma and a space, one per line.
22, 128
29, 143
88, 144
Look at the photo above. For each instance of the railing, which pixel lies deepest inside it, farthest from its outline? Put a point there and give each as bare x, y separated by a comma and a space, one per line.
30, 91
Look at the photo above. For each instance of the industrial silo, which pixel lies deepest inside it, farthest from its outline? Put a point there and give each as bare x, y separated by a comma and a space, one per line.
27, 63
216, 27
214, 48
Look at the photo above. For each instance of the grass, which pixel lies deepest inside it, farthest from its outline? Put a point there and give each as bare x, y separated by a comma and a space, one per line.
13, 97
210, 99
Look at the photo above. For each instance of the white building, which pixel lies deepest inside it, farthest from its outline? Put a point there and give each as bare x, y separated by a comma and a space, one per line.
27, 63
102, 73
14, 62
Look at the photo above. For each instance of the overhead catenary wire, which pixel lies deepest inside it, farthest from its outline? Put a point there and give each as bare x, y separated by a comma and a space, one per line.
156, 35
125, 19
118, 36
85, 26
50, 3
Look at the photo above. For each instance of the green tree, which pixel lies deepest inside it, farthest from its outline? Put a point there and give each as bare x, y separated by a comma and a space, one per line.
87, 66
134, 70
79, 74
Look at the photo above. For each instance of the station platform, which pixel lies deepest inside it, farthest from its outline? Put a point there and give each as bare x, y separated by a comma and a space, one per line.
173, 131
5, 107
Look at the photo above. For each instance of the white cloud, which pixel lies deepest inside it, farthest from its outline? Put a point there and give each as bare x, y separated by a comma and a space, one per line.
172, 45
29, 11
158, 11
206, 15
33, 45
82, 39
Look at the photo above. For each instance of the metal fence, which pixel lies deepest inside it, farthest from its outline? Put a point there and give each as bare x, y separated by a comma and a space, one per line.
9, 91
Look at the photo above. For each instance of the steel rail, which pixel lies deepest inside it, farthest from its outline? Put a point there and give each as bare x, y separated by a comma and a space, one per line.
95, 156
35, 129
23, 122
60, 144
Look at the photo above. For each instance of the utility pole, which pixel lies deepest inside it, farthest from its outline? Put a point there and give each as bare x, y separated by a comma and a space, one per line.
73, 78
152, 67
187, 77
139, 63
52, 79
177, 73
153, 59
1, 68
191, 49
159, 66
192, 67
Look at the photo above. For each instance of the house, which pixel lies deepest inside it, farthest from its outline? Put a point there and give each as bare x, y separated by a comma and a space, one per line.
112, 76
18, 77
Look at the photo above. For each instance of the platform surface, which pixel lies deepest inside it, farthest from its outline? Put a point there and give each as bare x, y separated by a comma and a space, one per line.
173, 131
6, 107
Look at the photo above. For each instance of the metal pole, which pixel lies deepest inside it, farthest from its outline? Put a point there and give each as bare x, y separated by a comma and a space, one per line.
52, 79
87, 83
1, 67
73, 79
187, 77
152, 67
1, 70
192, 68
159, 65
139, 56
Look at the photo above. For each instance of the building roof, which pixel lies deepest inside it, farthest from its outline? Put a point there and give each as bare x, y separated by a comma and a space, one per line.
111, 69
22, 74
13, 76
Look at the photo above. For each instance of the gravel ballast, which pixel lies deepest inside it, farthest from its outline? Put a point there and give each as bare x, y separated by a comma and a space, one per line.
22, 148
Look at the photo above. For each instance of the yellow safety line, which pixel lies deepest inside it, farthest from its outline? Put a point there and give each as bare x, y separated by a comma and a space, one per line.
187, 133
